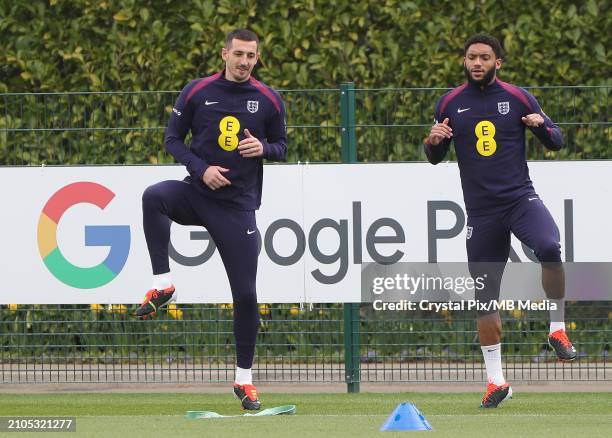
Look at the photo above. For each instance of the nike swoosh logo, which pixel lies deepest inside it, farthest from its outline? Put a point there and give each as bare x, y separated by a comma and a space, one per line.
209, 103
533, 199
490, 351
251, 231
462, 110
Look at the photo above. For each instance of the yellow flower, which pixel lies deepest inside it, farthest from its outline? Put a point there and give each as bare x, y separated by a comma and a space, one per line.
294, 311
96, 307
517, 313
572, 325
264, 309
174, 311
117, 308
12, 307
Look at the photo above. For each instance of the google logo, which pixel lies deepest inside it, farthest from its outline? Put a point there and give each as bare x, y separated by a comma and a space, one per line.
117, 237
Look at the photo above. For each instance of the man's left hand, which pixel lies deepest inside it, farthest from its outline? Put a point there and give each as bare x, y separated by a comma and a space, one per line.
533, 120
250, 147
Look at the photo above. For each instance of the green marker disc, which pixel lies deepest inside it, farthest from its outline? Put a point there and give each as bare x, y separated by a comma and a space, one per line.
279, 410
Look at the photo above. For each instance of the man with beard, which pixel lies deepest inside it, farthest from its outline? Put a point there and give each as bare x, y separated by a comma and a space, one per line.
486, 118
235, 121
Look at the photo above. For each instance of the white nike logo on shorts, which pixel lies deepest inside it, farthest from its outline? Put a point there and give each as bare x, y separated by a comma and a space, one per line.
209, 103
251, 231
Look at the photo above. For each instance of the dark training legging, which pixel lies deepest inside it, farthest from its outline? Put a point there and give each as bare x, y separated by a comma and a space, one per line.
233, 233
488, 245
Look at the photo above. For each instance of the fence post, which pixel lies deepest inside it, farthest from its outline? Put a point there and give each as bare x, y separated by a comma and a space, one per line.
347, 122
351, 310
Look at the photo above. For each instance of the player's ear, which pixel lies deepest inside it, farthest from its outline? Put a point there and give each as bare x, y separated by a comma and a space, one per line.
224, 53
498, 63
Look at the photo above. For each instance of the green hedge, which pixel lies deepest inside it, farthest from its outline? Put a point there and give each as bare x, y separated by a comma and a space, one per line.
82, 45
308, 48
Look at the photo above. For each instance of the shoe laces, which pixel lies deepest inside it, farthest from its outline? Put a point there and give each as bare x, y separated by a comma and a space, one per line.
560, 336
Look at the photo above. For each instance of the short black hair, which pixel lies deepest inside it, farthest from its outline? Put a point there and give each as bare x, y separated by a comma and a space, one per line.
484, 38
242, 35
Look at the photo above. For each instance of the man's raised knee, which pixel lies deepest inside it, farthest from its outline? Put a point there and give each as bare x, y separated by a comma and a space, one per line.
549, 251
151, 195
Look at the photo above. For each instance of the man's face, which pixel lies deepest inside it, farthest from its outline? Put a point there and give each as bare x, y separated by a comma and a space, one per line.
240, 58
481, 64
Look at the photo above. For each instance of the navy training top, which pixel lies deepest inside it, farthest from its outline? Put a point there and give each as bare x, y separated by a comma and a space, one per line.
489, 138
217, 111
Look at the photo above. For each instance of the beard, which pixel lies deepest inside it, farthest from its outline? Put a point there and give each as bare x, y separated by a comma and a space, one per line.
485, 80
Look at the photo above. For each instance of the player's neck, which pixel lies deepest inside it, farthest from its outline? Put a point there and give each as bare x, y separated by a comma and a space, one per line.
492, 81
229, 77
482, 87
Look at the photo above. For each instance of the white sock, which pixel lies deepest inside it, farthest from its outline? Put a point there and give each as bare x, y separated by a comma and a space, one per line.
554, 326
162, 281
557, 317
243, 376
492, 358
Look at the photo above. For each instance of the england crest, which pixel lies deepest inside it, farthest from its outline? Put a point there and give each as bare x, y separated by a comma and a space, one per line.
468, 233
503, 107
253, 106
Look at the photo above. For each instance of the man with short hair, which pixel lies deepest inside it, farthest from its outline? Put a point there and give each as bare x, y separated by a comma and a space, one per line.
486, 118
235, 121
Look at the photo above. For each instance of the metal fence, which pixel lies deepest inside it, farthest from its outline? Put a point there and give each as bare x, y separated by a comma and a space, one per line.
389, 125
194, 343
318, 343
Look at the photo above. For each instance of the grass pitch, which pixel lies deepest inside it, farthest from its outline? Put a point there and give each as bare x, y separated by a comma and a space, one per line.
318, 415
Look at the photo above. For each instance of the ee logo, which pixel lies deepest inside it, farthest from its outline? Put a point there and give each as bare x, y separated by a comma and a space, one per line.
229, 127
486, 144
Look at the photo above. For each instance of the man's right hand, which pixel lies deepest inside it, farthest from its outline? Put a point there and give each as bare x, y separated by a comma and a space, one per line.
214, 179
439, 132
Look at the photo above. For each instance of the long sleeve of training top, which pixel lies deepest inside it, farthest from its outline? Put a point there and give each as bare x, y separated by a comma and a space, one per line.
178, 128
489, 139
217, 112
548, 133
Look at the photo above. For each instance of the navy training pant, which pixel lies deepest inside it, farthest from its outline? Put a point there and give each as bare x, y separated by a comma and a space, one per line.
488, 241
233, 233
